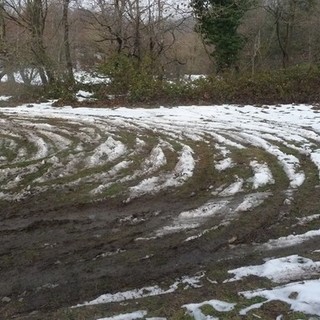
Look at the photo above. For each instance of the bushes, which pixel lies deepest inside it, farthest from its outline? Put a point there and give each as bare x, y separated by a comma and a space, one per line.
21, 93
295, 85
298, 84
131, 77
135, 83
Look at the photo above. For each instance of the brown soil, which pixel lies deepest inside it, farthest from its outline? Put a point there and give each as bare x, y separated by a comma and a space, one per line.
54, 257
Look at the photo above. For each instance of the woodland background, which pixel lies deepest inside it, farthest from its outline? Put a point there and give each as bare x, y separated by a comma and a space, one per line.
140, 44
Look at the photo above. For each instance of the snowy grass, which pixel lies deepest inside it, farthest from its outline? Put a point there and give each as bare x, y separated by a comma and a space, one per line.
225, 150
226, 162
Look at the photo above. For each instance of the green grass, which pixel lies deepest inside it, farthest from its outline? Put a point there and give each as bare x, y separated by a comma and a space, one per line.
208, 310
114, 190
6, 151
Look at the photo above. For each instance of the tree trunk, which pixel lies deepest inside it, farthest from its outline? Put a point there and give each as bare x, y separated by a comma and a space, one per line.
7, 68
66, 42
37, 22
283, 48
119, 7
137, 36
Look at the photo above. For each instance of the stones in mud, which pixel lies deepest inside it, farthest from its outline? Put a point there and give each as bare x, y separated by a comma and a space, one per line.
33, 313
5, 300
232, 240
293, 295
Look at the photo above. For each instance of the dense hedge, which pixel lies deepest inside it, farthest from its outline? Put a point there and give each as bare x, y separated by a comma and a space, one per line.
295, 85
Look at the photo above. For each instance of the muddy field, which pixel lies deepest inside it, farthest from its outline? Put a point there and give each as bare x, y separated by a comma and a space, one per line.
144, 213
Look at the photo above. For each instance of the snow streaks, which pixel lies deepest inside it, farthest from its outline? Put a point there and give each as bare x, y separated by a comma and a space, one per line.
134, 152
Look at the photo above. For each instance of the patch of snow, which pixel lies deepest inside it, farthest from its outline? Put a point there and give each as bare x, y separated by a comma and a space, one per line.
5, 98
127, 316
86, 77
193, 77
304, 220
244, 311
200, 234
262, 174
252, 201
194, 309
166, 145
119, 166
42, 146
290, 240
315, 158
186, 282
233, 188
149, 185
156, 160
226, 209
279, 270
209, 209
15, 175
177, 226
140, 143
224, 141
186, 163
107, 151
84, 95
224, 164
128, 295
301, 296
223, 150
193, 218
31, 74
57, 139
289, 162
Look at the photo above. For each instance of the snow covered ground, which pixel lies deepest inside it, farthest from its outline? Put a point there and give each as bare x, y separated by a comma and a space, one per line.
228, 127
53, 153
80, 76
148, 151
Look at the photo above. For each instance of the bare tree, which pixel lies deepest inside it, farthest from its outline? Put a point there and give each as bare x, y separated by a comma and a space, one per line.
138, 29
287, 15
31, 16
6, 56
66, 42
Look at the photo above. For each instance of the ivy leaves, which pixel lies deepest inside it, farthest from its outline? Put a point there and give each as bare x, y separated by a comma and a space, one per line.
218, 22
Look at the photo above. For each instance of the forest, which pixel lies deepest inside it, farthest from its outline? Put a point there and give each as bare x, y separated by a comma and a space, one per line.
245, 50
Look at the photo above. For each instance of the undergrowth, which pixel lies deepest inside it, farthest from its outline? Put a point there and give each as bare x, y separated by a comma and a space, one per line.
131, 85
298, 84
